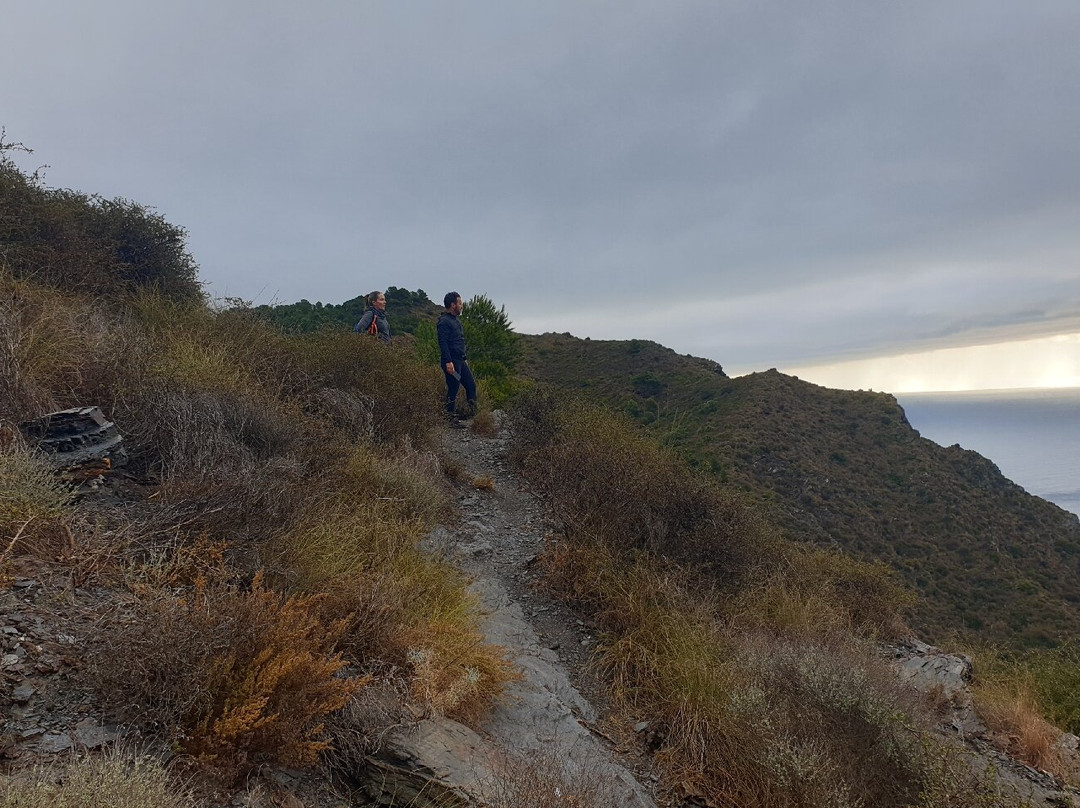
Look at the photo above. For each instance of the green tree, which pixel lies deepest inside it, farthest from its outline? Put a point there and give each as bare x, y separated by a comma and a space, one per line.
493, 346
427, 343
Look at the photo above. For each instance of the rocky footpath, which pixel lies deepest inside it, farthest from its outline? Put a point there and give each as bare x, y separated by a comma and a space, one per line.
544, 732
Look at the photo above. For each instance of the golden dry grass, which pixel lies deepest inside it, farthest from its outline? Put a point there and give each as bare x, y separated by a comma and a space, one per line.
113, 780
400, 607
483, 424
1013, 715
484, 483
36, 508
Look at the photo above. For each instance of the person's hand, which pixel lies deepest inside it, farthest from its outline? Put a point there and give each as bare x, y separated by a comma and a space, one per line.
450, 368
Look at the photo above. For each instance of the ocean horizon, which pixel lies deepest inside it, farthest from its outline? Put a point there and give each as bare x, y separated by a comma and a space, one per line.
1032, 435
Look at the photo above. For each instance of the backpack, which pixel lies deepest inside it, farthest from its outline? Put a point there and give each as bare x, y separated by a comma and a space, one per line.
372, 329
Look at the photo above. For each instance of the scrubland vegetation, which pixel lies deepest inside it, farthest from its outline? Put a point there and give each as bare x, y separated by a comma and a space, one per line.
272, 607
753, 660
264, 531
842, 468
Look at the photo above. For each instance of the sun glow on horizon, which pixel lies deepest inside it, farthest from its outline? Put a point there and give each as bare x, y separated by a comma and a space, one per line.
1046, 362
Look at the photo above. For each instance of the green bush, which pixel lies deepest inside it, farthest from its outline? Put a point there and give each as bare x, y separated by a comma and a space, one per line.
79, 242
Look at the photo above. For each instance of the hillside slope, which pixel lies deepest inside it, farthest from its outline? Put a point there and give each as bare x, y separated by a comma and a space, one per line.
989, 560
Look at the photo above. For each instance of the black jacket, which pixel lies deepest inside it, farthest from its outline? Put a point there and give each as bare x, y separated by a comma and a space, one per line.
451, 339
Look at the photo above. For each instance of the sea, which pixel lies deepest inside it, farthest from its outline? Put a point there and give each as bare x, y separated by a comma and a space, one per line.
1033, 436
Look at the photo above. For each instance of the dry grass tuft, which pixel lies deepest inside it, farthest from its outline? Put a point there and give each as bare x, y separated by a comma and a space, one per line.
553, 777
483, 424
115, 780
484, 483
35, 506
47, 341
1013, 715
399, 607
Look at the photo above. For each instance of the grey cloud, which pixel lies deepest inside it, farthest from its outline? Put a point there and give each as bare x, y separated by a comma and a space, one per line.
574, 159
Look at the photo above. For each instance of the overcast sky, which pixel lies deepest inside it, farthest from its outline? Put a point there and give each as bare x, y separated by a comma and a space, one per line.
769, 184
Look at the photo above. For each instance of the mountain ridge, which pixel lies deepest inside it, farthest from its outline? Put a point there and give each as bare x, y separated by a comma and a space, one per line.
846, 468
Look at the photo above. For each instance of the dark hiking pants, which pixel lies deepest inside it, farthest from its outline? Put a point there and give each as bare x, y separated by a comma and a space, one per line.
453, 385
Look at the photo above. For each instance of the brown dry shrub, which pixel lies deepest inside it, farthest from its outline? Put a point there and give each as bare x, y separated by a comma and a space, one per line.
607, 481
358, 729
403, 394
484, 483
955, 777
242, 422
237, 678
744, 711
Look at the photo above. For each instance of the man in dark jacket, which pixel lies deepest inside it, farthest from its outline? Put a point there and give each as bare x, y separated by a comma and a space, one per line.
373, 321
453, 357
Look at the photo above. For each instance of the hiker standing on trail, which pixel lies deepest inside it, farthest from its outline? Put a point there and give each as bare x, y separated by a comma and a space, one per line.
374, 320
452, 356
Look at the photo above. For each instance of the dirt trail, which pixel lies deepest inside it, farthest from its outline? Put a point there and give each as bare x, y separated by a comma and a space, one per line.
559, 705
